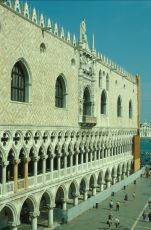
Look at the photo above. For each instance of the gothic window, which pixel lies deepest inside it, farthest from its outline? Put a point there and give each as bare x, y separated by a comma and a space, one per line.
42, 47
103, 102
60, 95
119, 107
19, 83
130, 109
100, 79
86, 102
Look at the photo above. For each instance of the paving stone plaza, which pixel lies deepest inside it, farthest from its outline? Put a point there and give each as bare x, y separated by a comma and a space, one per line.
130, 213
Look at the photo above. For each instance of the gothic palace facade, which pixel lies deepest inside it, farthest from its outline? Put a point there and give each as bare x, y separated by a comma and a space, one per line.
69, 119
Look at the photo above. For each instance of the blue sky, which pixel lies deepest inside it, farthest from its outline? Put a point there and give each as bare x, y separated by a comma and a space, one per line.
122, 32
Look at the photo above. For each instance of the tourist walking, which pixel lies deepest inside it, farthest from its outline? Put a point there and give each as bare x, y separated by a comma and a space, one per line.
117, 223
149, 216
144, 215
109, 223
133, 195
109, 220
117, 206
126, 197
111, 204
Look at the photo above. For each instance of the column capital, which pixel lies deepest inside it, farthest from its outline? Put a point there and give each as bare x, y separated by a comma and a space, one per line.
75, 195
16, 161
34, 214
35, 158
5, 163
49, 207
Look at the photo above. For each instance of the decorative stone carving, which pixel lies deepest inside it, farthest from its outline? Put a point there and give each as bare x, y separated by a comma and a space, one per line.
86, 64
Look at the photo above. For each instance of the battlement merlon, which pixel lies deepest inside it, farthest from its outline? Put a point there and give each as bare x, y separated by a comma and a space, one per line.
48, 26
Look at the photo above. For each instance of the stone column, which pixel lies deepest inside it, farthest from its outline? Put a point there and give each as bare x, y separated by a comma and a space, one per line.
119, 177
58, 158
94, 155
26, 174
108, 183
82, 158
128, 173
85, 196
51, 164
35, 169
64, 205
77, 159
33, 221
15, 175
50, 216
65, 161
102, 186
44, 165
75, 200
3, 176
94, 191
114, 179
71, 160
123, 175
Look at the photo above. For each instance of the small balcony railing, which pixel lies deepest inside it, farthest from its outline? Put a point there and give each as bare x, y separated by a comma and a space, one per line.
88, 120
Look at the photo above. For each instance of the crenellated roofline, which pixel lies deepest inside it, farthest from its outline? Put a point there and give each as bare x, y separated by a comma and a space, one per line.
82, 44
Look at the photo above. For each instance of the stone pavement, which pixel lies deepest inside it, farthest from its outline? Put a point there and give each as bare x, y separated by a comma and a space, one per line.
130, 214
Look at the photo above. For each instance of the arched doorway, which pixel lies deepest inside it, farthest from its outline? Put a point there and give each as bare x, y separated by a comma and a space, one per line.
113, 175
26, 213
82, 190
43, 219
91, 186
6, 217
72, 195
60, 209
107, 179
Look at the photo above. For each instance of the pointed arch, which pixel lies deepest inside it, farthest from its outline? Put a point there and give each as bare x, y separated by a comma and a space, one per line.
29, 206
60, 92
119, 107
130, 110
103, 102
21, 82
87, 104
8, 214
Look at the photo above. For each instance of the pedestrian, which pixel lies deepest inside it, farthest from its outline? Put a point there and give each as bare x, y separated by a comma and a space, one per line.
111, 204
117, 206
144, 215
117, 222
109, 222
133, 195
126, 197
110, 216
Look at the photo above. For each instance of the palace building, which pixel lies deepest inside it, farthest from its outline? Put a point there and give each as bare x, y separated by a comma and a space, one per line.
69, 121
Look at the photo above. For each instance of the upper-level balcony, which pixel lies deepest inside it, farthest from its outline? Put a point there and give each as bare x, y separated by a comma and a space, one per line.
37, 178
88, 120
